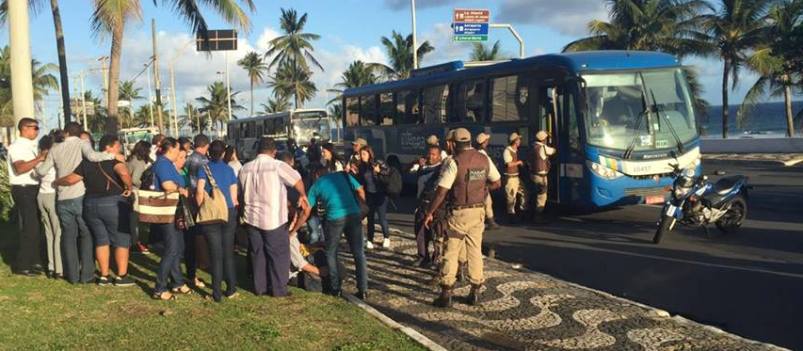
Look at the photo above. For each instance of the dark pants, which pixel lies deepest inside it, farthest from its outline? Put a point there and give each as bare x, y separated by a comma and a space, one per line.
170, 265
133, 223
221, 251
423, 236
30, 240
77, 248
270, 259
351, 226
377, 205
190, 253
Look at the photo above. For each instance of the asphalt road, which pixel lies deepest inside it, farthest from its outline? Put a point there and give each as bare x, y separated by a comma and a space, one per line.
749, 283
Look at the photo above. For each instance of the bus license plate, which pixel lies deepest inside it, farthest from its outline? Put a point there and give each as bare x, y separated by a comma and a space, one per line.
654, 199
670, 210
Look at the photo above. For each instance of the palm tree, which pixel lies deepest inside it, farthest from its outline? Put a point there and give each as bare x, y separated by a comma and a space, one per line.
192, 117
777, 74
256, 68
399, 51
295, 46
653, 25
274, 105
336, 111
141, 117
128, 92
111, 16
357, 74
482, 52
216, 106
60, 48
293, 81
738, 27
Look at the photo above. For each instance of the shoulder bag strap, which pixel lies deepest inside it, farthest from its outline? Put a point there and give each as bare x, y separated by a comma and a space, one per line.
109, 179
209, 175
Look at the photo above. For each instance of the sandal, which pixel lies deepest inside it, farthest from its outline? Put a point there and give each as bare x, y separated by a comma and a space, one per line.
199, 284
164, 296
184, 289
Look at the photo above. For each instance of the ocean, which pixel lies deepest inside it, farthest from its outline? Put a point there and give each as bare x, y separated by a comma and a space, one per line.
765, 121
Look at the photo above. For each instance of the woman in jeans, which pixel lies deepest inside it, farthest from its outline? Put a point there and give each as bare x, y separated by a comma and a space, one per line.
220, 236
368, 173
137, 163
50, 219
167, 179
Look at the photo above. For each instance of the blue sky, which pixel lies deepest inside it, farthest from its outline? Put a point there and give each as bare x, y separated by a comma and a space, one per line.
349, 29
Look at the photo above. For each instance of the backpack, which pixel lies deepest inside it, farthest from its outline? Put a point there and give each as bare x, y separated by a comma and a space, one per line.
146, 180
393, 182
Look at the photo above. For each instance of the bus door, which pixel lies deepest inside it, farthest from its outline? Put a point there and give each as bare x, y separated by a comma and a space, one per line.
553, 128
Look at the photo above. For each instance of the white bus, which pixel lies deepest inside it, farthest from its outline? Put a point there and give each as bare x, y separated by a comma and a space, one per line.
130, 136
300, 125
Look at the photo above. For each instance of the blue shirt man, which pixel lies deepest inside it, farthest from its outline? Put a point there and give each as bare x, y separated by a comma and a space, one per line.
335, 191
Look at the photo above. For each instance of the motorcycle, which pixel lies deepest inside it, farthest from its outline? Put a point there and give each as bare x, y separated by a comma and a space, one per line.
697, 202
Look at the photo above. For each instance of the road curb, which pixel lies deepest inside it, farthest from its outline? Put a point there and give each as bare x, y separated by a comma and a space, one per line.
654, 310
410, 332
770, 162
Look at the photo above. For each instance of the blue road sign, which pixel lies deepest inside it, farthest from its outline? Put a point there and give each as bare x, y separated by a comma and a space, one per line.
462, 28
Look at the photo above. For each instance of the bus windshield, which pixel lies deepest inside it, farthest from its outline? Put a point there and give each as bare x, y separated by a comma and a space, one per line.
306, 124
642, 110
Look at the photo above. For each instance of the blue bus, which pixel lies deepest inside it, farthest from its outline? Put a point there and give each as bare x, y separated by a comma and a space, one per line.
617, 118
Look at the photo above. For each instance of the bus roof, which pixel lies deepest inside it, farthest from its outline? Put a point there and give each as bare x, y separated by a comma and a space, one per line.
275, 115
574, 62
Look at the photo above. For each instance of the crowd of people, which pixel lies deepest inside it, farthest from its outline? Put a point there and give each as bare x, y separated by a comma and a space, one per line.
83, 203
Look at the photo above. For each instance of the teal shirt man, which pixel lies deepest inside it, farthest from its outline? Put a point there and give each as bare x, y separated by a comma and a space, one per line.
335, 192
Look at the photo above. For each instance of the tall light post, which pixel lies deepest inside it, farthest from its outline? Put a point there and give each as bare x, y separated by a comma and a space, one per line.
20, 43
415, 44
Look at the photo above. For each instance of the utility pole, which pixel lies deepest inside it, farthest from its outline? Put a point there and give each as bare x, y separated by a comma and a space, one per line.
20, 43
150, 95
228, 90
156, 80
173, 96
83, 100
104, 72
415, 44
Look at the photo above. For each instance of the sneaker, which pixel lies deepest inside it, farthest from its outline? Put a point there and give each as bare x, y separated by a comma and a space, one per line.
142, 248
386, 243
103, 281
369, 245
232, 295
123, 281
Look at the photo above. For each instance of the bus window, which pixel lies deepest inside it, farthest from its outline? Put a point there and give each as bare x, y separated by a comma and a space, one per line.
408, 100
259, 130
386, 109
368, 111
352, 111
434, 106
470, 102
511, 97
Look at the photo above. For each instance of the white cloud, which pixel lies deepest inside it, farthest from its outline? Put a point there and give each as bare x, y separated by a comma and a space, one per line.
405, 4
565, 16
445, 48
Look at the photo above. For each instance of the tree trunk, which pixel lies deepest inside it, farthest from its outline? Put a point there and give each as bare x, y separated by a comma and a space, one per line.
252, 98
64, 77
725, 106
787, 99
112, 121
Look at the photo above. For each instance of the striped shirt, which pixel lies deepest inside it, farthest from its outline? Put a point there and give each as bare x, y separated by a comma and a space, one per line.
264, 182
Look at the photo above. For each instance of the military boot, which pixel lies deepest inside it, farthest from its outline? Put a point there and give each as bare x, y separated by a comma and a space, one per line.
473, 298
445, 298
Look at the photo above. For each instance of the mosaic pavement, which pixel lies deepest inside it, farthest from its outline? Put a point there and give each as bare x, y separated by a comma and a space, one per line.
523, 310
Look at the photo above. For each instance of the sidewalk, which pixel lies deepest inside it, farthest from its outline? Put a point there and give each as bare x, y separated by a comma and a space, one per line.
784, 159
523, 310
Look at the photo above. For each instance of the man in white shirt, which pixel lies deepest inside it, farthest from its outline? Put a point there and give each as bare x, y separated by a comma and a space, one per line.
483, 140
23, 157
264, 181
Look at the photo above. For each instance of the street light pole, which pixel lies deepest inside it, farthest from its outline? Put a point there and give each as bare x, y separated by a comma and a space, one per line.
515, 35
228, 89
150, 95
415, 44
157, 82
83, 100
20, 43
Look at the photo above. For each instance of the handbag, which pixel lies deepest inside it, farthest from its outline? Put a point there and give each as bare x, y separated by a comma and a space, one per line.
156, 207
363, 206
184, 215
214, 208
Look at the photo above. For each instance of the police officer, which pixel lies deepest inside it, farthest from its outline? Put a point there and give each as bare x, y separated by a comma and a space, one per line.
482, 141
465, 180
515, 191
539, 169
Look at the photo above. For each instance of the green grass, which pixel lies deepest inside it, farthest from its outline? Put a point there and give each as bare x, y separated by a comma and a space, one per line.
46, 314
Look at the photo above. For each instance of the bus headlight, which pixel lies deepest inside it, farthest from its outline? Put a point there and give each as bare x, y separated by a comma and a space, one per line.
602, 171
691, 169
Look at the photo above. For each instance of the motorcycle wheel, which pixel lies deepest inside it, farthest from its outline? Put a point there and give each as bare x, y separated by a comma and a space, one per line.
663, 227
733, 219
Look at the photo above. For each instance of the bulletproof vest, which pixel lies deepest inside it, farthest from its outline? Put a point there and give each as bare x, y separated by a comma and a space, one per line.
470, 185
512, 169
541, 165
